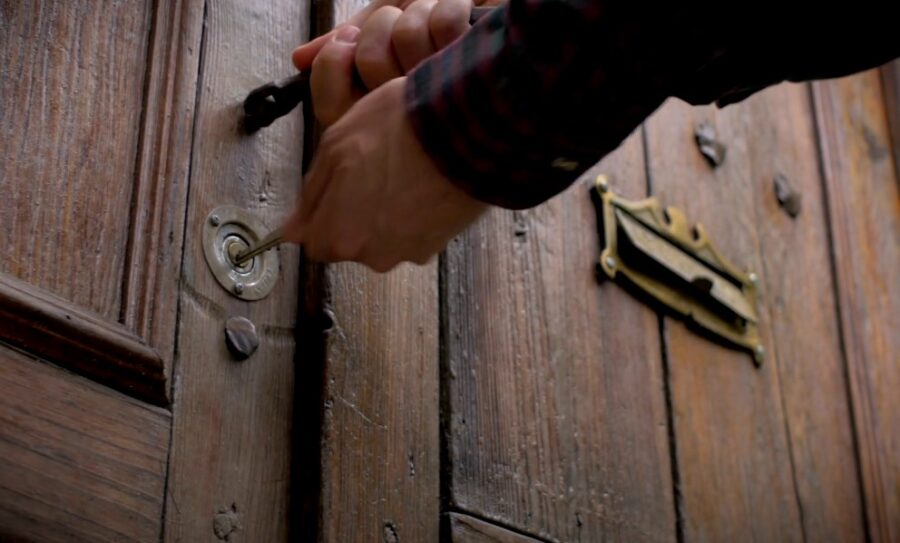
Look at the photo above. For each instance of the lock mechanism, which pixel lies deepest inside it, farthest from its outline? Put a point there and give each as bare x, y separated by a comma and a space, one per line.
657, 252
227, 232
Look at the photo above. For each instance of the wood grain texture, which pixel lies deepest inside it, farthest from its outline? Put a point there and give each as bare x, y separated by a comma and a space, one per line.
154, 255
557, 418
467, 529
229, 472
864, 211
71, 89
380, 446
78, 462
890, 76
52, 328
765, 454
380, 451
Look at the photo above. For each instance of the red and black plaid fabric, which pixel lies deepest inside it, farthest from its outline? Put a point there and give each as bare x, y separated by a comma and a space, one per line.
540, 90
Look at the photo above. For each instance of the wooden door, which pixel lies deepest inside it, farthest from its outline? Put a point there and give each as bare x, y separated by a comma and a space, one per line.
122, 414
497, 394
501, 394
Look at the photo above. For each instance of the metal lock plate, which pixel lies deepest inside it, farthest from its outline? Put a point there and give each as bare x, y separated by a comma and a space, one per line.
228, 231
656, 251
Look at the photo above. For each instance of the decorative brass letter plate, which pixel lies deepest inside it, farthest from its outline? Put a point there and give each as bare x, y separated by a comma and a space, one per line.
656, 251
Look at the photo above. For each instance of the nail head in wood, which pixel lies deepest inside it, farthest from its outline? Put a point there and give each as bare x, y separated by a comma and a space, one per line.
241, 337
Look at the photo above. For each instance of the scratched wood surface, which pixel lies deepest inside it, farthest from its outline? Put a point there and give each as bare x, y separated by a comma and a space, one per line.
467, 529
764, 454
78, 462
229, 474
71, 89
556, 419
864, 210
380, 451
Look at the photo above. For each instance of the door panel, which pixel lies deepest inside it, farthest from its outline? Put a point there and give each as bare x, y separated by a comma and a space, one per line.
70, 102
758, 446
78, 462
231, 447
95, 181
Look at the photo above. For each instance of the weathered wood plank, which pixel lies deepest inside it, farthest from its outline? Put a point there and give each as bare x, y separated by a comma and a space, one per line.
765, 454
557, 418
864, 211
78, 462
380, 451
71, 90
229, 474
467, 529
153, 263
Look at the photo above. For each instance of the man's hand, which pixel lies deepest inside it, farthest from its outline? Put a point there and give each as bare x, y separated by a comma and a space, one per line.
373, 195
393, 36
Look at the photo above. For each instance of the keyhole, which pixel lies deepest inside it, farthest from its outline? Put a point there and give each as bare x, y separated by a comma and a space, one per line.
235, 245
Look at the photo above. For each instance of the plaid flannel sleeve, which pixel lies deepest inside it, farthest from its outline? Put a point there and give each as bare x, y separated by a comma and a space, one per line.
540, 90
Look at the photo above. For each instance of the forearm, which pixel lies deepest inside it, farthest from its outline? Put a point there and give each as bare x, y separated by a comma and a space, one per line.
542, 89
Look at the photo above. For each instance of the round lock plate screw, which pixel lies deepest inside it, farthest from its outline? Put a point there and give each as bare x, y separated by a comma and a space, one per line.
240, 337
214, 220
238, 288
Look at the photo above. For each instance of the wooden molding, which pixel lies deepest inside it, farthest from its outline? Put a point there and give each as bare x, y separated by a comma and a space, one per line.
890, 78
52, 328
862, 194
466, 529
153, 262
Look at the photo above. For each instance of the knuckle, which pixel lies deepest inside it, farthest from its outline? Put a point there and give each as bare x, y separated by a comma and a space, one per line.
446, 24
406, 32
328, 143
330, 54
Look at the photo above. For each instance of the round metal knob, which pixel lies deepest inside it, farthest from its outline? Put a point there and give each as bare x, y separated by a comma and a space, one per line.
227, 232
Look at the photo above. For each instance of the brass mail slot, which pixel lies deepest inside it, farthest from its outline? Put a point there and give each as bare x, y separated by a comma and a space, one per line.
656, 251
